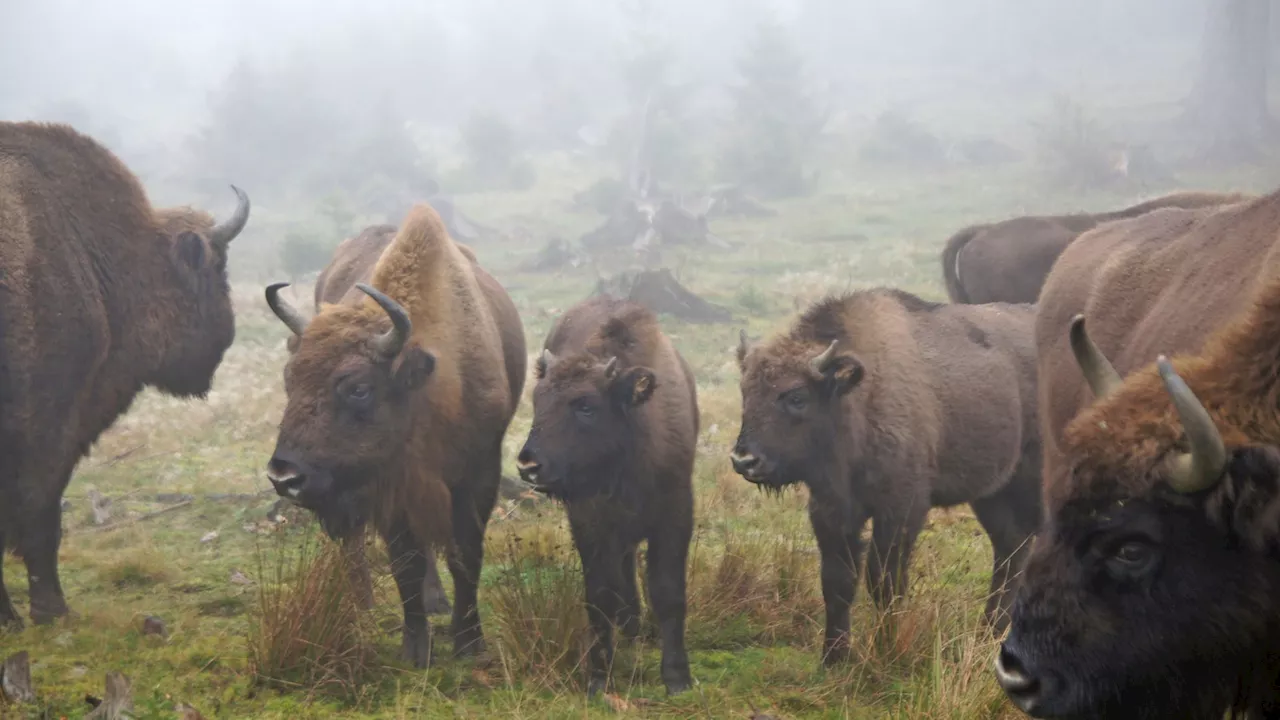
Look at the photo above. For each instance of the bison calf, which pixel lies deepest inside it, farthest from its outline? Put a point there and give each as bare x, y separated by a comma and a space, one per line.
885, 405
614, 428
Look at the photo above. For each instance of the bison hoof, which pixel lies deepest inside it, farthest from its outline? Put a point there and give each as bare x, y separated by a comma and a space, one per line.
678, 685
596, 686
43, 616
468, 644
416, 648
835, 655
10, 621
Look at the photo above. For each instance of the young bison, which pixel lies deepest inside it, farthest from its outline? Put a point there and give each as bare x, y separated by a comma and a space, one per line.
615, 421
885, 405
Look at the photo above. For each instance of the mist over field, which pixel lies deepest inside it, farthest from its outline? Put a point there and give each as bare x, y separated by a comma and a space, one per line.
747, 156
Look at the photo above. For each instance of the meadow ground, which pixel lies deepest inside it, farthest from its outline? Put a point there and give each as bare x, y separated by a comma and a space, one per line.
224, 578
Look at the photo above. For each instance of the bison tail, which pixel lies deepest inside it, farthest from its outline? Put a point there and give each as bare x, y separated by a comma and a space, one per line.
951, 264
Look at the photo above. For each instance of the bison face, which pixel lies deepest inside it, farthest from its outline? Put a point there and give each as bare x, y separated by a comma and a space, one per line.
1147, 607
794, 414
583, 429
202, 324
351, 384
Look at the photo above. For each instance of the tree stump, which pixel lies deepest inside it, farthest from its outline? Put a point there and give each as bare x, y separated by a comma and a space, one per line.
15, 679
659, 291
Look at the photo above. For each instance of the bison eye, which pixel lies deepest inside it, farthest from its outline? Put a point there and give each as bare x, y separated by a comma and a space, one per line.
583, 409
796, 402
1132, 559
360, 392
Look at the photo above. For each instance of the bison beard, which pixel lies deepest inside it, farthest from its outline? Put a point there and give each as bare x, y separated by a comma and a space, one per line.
614, 429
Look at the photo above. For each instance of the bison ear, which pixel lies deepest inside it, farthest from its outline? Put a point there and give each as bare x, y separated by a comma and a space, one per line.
1245, 503
634, 387
843, 373
414, 367
189, 249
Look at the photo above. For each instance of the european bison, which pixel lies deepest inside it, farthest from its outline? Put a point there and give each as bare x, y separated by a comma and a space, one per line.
101, 295
1008, 261
1151, 592
398, 398
885, 405
353, 261
615, 423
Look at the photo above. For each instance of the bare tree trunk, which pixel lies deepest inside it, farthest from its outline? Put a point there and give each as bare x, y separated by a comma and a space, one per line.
1228, 104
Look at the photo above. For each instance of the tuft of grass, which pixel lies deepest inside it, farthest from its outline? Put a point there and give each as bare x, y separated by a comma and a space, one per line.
538, 611
138, 568
307, 633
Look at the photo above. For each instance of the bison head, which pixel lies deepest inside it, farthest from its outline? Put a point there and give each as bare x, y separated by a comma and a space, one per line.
795, 420
583, 429
351, 379
1157, 604
200, 322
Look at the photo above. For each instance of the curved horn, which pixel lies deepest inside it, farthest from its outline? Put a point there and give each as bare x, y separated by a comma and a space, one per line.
744, 345
611, 367
392, 341
287, 313
819, 361
548, 359
222, 234
1095, 367
1200, 468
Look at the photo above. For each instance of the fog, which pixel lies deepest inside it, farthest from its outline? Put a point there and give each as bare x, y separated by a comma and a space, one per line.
296, 100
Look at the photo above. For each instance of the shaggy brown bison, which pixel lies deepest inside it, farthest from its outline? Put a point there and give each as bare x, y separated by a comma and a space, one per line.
398, 398
100, 296
1008, 261
353, 261
885, 405
1151, 590
615, 423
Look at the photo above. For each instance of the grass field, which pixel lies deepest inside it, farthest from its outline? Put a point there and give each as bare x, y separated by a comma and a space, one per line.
219, 573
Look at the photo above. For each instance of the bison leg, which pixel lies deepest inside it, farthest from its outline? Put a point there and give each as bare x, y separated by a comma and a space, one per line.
9, 617
472, 505
40, 544
628, 619
839, 553
893, 535
435, 598
358, 568
1011, 517
409, 566
600, 568
667, 565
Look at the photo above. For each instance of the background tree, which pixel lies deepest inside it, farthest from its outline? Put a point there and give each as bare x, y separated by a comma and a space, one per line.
777, 121
1228, 104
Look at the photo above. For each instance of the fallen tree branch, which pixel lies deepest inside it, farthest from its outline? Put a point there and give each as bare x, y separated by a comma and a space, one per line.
137, 519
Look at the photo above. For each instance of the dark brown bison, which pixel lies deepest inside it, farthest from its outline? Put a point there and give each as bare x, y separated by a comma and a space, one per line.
100, 296
1151, 592
1008, 261
615, 424
398, 399
885, 405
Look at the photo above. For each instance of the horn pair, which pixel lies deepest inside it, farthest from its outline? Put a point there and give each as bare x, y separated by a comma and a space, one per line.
389, 343
1192, 471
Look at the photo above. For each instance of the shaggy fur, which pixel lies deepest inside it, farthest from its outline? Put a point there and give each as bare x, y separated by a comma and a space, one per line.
420, 455
921, 405
100, 296
617, 443
1009, 260
1183, 586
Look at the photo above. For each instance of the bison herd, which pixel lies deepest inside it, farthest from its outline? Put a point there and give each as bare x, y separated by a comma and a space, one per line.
1103, 391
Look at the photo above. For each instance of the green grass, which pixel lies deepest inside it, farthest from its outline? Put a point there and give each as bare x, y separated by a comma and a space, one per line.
755, 615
